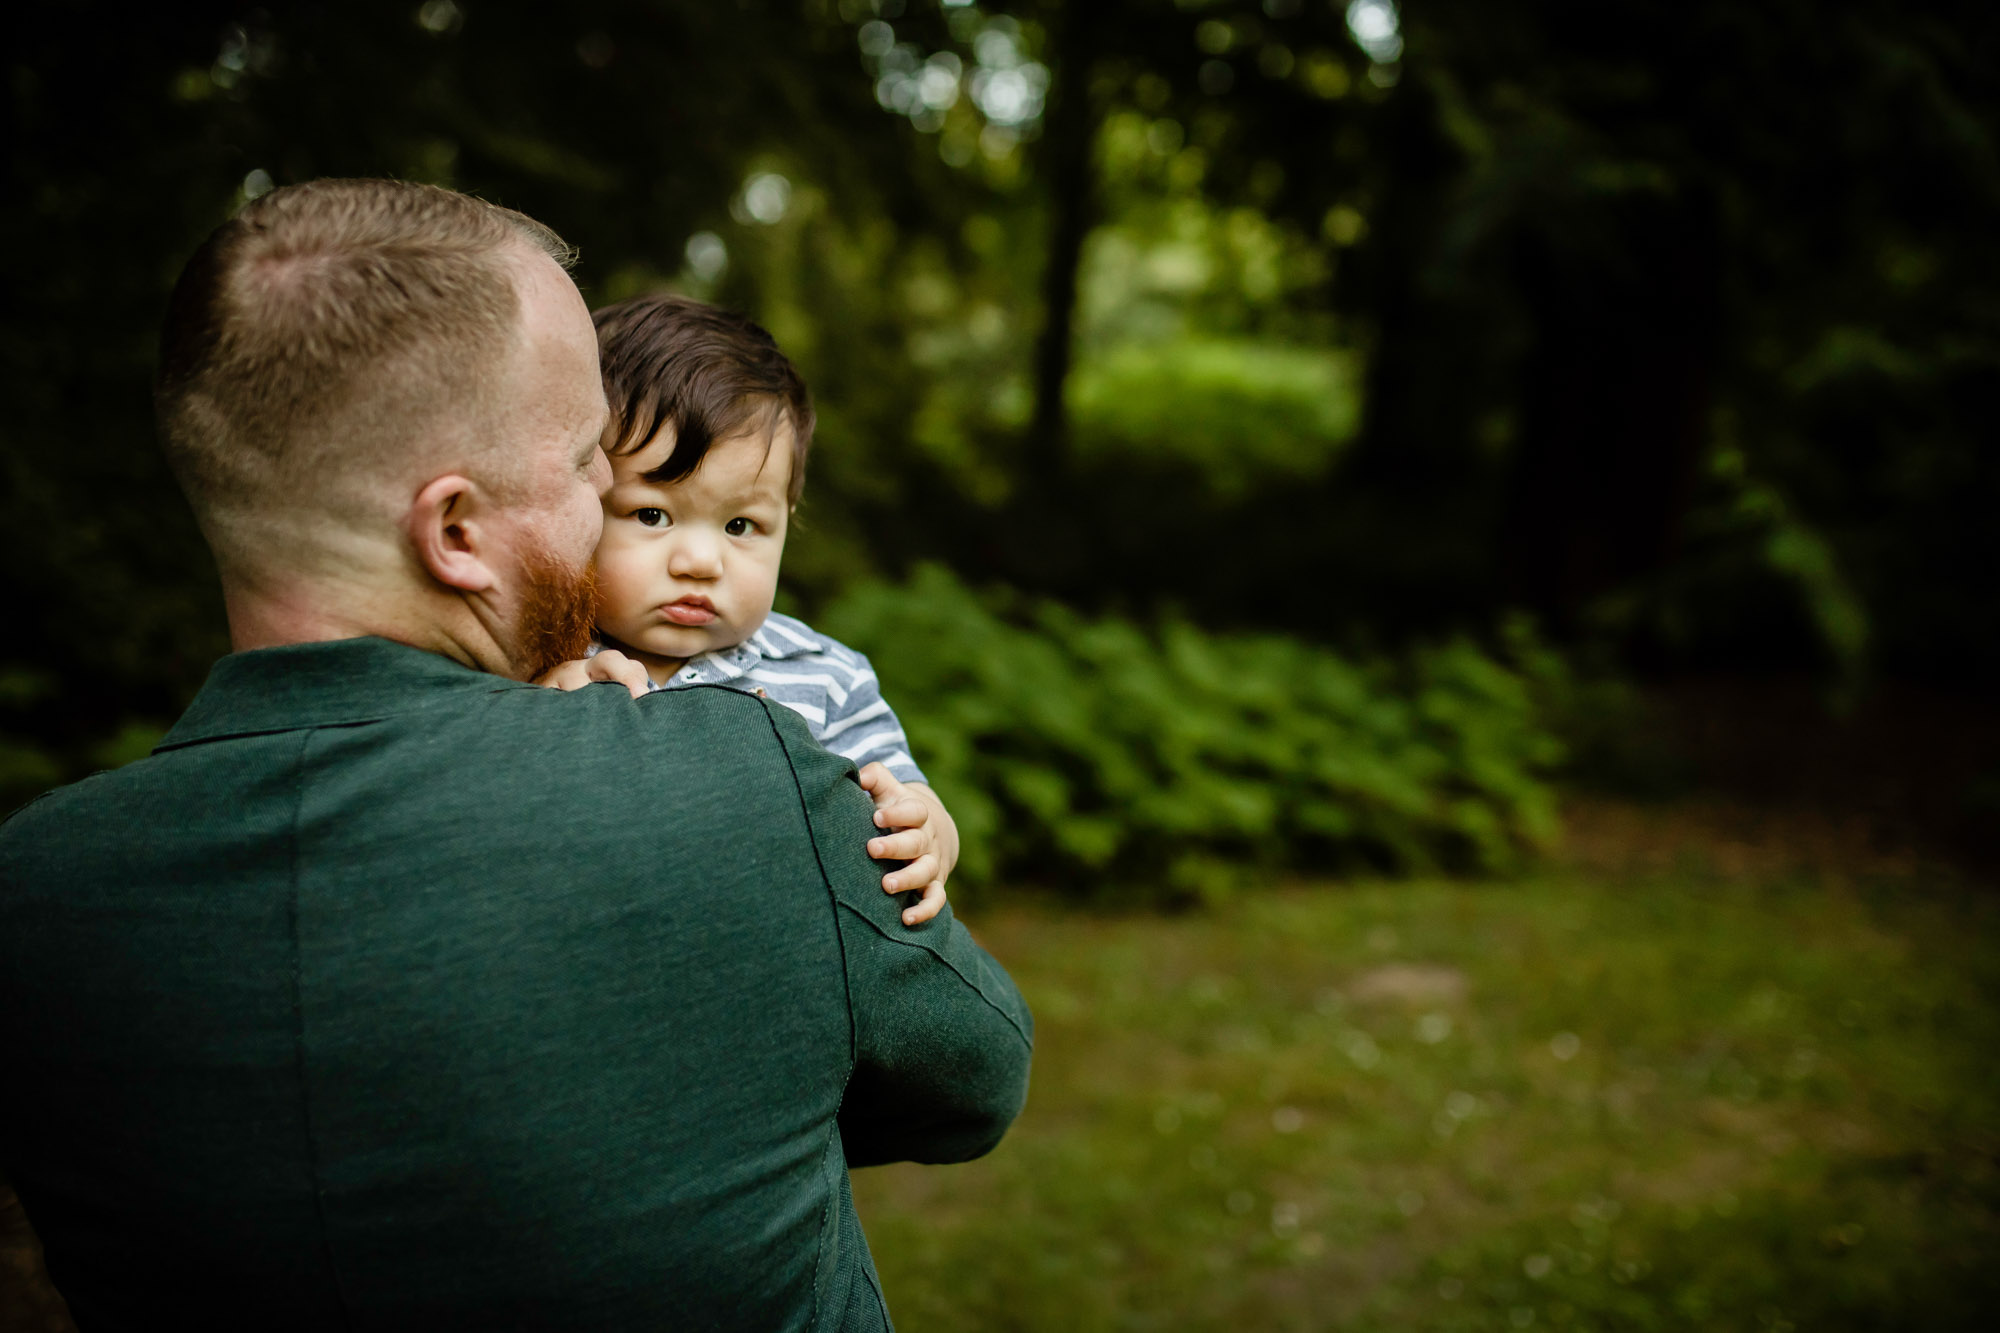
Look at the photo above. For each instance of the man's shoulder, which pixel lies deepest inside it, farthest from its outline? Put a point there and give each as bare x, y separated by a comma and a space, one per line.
694, 737
102, 800
150, 803
24, 824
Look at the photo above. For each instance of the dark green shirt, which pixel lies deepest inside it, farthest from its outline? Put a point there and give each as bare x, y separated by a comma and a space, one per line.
391, 995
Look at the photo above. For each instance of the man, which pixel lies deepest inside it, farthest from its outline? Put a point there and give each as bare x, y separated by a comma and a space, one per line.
393, 991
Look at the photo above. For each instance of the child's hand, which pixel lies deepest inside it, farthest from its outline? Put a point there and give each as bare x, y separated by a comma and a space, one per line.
610, 665
922, 833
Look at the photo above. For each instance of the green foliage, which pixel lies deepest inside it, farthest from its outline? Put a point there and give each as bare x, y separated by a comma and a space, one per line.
132, 741
27, 768
1239, 411
1181, 764
30, 765
1612, 740
1425, 339
1749, 554
1797, 553
26, 771
1363, 297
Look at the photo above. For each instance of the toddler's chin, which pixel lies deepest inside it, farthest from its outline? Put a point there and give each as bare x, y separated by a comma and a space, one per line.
664, 641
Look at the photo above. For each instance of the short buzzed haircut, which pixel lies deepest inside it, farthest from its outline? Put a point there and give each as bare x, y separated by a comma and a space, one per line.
319, 332
707, 372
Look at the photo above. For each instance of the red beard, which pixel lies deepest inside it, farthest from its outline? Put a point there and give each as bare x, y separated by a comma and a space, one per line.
559, 607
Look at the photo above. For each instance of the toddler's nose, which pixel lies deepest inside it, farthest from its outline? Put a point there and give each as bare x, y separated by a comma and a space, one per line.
696, 558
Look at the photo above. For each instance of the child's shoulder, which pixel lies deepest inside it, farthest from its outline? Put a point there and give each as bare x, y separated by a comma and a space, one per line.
783, 638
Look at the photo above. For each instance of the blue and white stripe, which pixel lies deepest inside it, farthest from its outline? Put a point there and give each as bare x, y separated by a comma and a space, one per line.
822, 680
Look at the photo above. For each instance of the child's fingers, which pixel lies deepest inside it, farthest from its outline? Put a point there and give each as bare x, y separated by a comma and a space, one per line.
928, 906
568, 676
609, 665
877, 780
906, 813
900, 846
612, 665
915, 875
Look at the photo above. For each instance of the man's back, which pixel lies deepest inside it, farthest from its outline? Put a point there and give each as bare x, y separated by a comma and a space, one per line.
391, 994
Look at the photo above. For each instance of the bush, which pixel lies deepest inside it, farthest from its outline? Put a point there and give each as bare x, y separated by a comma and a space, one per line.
1180, 764
1242, 413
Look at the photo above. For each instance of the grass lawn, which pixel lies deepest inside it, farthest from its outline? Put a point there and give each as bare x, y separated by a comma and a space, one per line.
1682, 1098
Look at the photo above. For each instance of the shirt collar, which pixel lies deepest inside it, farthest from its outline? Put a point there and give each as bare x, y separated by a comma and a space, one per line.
776, 640
716, 667
781, 637
323, 684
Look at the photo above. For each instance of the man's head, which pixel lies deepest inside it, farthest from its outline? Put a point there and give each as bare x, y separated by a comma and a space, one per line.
382, 401
708, 435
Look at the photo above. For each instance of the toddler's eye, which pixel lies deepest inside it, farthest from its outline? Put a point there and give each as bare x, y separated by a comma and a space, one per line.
739, 527
650, 518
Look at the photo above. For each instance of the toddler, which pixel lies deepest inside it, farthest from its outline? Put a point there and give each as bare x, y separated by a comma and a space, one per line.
707, 440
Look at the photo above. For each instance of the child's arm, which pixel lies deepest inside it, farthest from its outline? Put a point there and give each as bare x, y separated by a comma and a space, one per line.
922, 832
861, 727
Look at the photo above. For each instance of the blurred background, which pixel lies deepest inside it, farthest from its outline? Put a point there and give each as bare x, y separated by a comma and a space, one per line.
1441, 554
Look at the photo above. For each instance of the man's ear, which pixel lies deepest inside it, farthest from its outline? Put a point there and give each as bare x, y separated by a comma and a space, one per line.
446, 530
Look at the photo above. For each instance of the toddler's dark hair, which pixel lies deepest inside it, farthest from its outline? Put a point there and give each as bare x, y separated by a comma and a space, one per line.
708, 371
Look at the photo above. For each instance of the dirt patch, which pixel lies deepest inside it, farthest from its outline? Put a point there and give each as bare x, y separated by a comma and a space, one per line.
1410, 983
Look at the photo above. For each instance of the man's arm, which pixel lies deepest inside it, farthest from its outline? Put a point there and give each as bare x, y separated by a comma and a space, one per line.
941, 1037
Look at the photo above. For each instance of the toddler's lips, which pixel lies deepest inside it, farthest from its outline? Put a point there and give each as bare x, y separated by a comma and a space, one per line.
690, 611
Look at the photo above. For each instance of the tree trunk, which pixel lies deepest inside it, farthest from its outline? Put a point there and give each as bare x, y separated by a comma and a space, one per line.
1070, 132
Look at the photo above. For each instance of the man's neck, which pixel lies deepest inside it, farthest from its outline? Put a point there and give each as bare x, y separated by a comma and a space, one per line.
258, 619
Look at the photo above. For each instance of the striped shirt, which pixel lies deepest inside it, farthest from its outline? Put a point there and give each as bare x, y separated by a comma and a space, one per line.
822, 680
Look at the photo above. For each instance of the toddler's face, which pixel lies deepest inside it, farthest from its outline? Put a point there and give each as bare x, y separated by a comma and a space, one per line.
692, 566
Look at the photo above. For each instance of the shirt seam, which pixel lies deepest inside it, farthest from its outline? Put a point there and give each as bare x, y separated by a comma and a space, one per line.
950, 966
363, 719
299, 1033
826, 1221
881, 1300
307, 727
827, 1225
8, 818
812, 838
840, 904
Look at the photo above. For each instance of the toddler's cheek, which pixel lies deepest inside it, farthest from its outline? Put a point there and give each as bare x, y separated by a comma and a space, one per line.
621, 592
